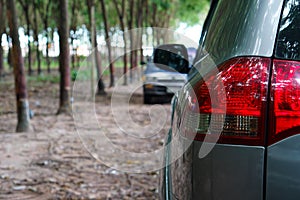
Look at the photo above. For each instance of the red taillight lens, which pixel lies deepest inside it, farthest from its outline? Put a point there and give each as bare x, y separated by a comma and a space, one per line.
245, 83
285, 98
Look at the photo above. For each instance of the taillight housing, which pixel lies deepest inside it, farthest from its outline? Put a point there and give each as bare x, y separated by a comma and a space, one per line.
244, 93
285, 100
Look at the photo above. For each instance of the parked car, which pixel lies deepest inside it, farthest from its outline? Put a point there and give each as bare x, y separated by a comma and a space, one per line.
160, 84
246, 77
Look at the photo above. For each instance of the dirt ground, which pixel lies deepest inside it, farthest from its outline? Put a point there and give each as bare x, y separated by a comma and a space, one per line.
52, 162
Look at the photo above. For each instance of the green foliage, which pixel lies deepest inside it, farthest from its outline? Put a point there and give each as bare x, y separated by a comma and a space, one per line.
78, 14
81, 75
53, 64
74, 75
190, 10
44, 78
163, 5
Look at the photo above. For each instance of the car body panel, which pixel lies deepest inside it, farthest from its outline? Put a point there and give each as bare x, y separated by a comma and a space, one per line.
228, 172
283, 171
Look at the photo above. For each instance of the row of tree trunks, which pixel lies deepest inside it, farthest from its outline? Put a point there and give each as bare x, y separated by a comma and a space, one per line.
25, 4
23, 124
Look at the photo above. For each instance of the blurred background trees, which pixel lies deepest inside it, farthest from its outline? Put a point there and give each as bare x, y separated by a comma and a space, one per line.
50, 44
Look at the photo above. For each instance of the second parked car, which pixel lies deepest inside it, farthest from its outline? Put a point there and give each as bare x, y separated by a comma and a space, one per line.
161, 84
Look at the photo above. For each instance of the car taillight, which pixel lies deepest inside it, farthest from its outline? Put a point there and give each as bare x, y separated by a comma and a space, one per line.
245, 84
285, 100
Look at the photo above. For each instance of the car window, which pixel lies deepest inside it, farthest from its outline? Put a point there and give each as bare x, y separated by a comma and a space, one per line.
151, 68
191, 54
288, 42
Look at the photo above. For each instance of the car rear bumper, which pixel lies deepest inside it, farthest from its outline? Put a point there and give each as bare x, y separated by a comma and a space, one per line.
151, 89
227, 172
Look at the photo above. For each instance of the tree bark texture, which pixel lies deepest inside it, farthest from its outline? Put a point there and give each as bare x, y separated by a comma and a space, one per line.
36, 37
121, 15
19, 72
93, 31
2, 29
25, 7
106, 27
64, 59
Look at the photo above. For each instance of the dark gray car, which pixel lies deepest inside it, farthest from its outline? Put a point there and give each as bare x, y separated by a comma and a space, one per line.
246, 77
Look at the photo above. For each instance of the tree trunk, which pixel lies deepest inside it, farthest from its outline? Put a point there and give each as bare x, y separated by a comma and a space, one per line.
139, 45
47, 53
101, 86
121, 14
97, 61
130, 26
141, 20
125, 60
36, 38
73, 49
19, 72
1, 58
47, 48
45, 18
2, 27
29, 42
106, 27
64, 59
38, 54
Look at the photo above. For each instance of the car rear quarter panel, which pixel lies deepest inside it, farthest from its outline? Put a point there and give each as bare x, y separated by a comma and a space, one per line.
283, 169
228, 172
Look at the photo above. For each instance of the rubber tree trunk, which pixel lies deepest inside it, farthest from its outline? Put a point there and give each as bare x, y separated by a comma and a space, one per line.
97, 61
1, 58
29, 42
47, 49
2, 19
131, 38
121, 14
101, 86
19, 72
64, 59
45, 19
73, 50
36, 38
106, 27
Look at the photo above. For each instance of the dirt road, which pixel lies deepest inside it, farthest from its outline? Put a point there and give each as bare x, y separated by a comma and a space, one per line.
52, 162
